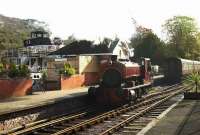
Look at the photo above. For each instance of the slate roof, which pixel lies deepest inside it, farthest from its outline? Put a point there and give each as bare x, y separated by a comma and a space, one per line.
83, 47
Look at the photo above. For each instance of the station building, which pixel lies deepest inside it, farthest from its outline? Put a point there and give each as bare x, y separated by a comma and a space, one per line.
33, 53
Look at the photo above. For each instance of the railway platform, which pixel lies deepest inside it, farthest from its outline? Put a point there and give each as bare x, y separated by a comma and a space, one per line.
183, 119
37, 99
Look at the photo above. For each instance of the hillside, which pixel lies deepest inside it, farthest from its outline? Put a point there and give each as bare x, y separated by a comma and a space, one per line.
13, 31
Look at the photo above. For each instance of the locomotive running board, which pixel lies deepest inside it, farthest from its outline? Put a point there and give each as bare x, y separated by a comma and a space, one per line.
138, 86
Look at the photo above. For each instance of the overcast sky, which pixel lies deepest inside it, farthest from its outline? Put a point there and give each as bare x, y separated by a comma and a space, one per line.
94, 19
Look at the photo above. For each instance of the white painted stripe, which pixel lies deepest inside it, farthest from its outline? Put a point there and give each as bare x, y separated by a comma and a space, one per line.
154, 122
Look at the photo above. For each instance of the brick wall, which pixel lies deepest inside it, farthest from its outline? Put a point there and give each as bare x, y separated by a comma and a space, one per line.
72, 82
76, 81
15, 87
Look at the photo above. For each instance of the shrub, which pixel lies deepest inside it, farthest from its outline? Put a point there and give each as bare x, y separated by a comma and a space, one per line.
23, 71
44, 75
193, 80
13, 71
1, 68
68, 70
20, 71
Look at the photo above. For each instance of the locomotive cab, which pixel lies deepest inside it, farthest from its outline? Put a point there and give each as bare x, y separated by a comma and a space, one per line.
145, 69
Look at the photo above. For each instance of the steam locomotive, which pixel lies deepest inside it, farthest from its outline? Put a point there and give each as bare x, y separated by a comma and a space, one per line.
121, 81
124, 80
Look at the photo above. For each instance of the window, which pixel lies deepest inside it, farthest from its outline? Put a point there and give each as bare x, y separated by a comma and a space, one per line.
39, 35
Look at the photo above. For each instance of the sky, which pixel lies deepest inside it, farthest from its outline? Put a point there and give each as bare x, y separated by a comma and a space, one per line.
95, 19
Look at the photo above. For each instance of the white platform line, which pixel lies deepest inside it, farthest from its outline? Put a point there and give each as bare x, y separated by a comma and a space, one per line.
154, 122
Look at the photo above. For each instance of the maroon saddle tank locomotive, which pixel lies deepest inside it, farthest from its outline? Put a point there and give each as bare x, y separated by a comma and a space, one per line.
121, 80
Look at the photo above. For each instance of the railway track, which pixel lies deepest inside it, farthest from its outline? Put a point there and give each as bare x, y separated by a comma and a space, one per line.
142, 124
74, 123
109, 124
132, 122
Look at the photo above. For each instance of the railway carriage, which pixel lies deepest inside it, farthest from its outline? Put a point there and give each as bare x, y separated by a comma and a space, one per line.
176, 68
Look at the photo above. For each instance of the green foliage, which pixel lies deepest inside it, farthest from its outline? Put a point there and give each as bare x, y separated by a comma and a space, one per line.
1, 68
193, 80
183, 36
44, 75
69, 40
14, 31
183, 41
13, 71
68, 70
147, 44
20, 71
23, 71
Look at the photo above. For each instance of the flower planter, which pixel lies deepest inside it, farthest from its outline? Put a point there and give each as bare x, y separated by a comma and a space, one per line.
192, 95
15, 87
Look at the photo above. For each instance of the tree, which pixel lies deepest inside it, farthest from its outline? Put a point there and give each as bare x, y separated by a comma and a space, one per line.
1, 47
182, 33
14, 31
57, 41
197, 50
70, 39
147, 44
106, 41
37, 25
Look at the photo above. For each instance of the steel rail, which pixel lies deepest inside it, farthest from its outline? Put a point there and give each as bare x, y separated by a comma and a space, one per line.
111, 113
139, 114
101, 118
50, 119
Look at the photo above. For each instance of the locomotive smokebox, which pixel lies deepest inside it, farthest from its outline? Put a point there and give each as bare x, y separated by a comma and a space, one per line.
111, 78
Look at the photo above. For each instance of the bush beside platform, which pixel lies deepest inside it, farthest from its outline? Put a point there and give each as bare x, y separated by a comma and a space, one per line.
192, 80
